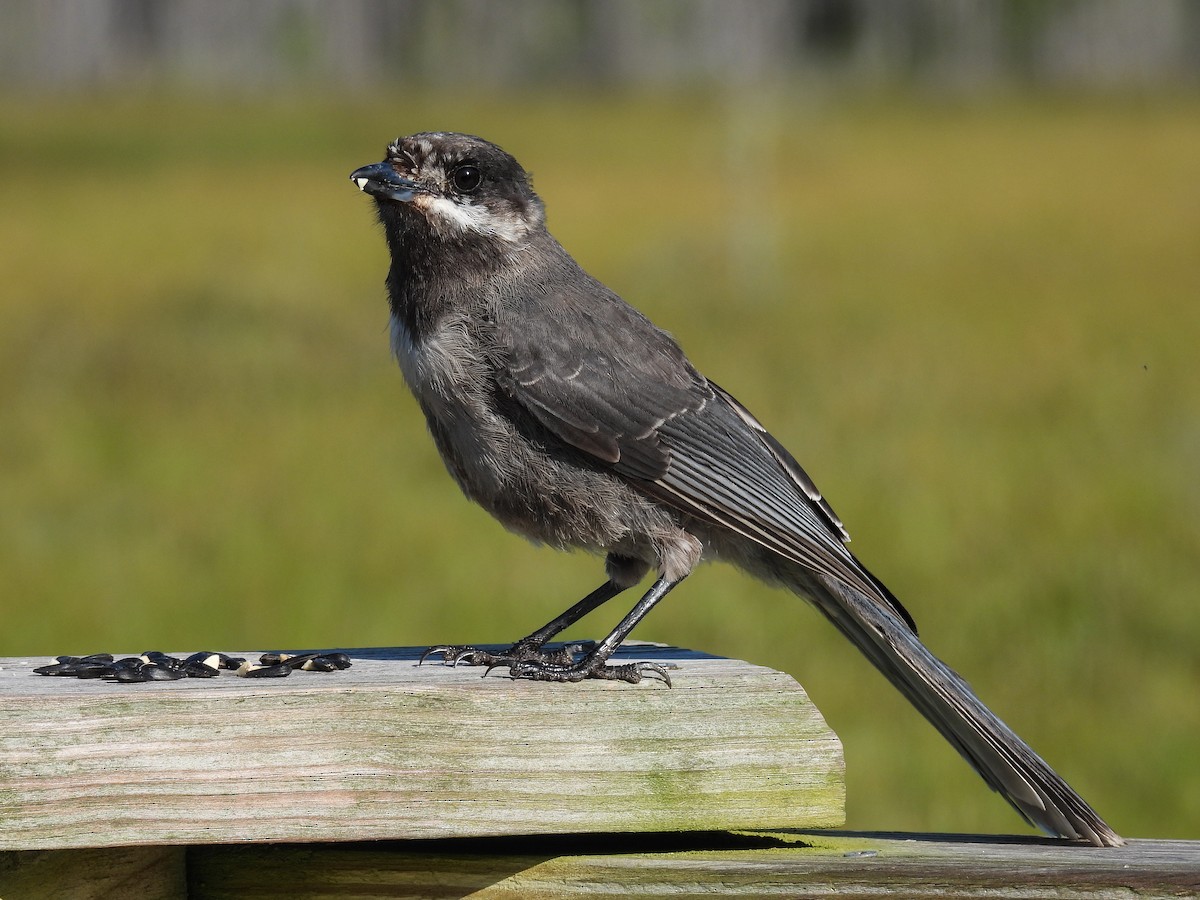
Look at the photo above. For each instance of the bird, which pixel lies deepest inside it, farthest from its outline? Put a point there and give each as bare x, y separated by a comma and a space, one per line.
576, 422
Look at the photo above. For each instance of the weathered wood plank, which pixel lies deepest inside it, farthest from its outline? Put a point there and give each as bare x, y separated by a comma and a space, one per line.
147, 873
914, 867
387, 750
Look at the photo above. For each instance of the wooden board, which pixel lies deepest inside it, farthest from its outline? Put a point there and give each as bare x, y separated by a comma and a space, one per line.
914, 867
145, 873
389, 750
795, 864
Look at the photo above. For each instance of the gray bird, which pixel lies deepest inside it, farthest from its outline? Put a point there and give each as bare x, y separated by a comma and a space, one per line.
571, 418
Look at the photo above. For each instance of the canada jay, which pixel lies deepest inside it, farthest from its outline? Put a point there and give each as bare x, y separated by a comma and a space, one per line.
576, 422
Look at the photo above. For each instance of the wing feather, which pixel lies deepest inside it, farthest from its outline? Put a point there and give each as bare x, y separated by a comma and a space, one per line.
624, 393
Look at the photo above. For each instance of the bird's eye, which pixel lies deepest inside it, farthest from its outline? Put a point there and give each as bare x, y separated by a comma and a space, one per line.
466, 178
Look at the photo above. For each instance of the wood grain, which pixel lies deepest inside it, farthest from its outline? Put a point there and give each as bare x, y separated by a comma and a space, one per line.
389, 750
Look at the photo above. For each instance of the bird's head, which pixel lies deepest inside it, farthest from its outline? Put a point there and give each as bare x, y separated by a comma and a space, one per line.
454, 189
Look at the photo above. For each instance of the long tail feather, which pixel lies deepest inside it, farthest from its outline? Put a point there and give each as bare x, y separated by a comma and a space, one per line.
1006, 763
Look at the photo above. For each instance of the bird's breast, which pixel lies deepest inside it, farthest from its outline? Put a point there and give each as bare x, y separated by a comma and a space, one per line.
443, 365
406, 351
545, 496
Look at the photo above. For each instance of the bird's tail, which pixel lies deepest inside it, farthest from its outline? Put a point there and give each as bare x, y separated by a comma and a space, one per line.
1006, 763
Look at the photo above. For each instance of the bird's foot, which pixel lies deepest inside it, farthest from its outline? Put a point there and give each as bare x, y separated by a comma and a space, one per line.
537, 670
521, 652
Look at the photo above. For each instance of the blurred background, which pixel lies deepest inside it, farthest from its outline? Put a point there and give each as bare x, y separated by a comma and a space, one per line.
948, 250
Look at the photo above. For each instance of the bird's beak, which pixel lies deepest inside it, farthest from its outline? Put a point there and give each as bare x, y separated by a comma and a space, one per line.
380, 180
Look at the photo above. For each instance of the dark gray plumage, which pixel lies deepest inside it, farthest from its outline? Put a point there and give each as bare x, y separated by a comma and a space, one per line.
576, 422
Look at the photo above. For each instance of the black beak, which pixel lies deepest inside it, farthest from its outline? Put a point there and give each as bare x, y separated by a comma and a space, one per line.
380, 180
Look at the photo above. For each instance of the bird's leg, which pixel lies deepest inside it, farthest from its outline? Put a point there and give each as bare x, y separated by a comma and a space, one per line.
594, 664
529, 649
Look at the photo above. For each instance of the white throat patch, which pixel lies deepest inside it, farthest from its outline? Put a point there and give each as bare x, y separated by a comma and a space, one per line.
447, 216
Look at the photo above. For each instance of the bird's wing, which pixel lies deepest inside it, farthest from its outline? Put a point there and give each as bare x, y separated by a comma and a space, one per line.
622, 391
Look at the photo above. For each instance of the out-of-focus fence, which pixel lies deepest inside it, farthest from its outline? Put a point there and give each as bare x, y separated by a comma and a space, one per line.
956, 43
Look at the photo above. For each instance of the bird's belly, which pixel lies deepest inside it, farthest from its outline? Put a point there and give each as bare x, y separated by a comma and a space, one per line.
528, 490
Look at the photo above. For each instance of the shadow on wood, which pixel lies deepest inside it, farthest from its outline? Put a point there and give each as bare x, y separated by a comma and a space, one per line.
807, 864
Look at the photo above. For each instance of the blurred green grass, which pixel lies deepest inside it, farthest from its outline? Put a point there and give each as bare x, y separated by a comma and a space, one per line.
976, 325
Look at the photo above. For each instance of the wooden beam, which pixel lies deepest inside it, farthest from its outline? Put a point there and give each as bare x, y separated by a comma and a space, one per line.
761, 865
389, 750
147, 873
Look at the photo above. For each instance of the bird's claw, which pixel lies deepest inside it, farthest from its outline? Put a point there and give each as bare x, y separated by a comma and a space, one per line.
528, 660
520, 652
632, 673
453, 654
